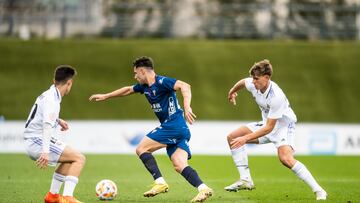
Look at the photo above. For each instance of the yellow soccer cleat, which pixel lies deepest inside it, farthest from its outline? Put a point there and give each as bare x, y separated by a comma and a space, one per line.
157, 189
203, 195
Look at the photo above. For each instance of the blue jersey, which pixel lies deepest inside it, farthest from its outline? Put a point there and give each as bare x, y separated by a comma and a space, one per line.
162, 98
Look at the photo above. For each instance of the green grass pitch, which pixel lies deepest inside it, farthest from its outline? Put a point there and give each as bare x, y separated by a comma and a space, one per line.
21, 181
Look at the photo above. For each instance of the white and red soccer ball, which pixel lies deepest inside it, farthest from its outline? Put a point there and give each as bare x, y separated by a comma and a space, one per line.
106, 190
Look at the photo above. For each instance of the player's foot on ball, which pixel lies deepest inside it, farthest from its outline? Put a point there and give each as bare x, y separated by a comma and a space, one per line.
157, 189
52, 198
321, 195
240, 185
68, 199
203, 195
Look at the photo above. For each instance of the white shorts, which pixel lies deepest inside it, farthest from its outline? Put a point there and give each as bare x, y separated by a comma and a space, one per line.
282, 134
33, 146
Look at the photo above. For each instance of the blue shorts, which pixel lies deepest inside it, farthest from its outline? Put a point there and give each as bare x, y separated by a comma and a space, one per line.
173, 137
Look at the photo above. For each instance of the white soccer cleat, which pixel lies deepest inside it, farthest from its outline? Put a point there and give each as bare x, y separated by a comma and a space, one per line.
240, 185
321, 195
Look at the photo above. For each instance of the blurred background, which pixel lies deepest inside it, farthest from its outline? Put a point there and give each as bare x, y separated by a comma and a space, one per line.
312, 44
201, 19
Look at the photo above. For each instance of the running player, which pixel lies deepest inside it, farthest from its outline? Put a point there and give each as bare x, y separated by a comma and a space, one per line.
173, 133
277, 126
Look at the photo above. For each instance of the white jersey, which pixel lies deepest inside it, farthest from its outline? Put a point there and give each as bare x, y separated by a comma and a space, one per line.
273, 102
45, 110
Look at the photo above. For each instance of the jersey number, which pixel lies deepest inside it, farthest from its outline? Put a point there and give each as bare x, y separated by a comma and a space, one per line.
32, 115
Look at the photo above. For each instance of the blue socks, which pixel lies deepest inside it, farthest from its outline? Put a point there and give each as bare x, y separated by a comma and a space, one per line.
150, 164
191, 176
188, 173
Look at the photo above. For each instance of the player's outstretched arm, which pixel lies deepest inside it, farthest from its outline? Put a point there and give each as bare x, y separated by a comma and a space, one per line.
233, 91
124, 91
186, 93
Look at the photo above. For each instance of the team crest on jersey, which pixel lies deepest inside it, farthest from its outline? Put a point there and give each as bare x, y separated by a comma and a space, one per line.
154, 92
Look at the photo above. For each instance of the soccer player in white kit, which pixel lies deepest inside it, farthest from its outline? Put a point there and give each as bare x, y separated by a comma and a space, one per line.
42, 146
277, 126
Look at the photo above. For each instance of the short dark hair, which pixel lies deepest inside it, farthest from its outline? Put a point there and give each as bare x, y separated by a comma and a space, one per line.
63, 73
261, 68
144, 62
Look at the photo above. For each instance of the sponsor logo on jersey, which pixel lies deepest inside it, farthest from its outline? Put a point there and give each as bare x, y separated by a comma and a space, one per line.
172, 107
156, 107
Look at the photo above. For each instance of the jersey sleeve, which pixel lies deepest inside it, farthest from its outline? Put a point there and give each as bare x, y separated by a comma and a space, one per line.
167, 83
138, 88
277, 108
50, 112
249, 85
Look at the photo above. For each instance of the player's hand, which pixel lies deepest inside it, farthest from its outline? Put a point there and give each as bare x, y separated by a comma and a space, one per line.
98, 97
43, 160
232, 97
237, 142
64, 125
189, 115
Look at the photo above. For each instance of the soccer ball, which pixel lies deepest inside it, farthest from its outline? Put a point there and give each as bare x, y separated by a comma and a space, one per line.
106, 190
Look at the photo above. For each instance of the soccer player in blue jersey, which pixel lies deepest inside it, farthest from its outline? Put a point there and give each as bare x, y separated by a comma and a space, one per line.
173, 133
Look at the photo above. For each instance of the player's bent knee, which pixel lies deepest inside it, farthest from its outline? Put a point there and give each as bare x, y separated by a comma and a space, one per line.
179, 167
232, 135
286, 161
229, 138
140, 150
81, 159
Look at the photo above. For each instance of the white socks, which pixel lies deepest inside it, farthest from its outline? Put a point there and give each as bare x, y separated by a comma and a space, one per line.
56, 183
240, 158
160, 180
304, 174
202, 186
70, 184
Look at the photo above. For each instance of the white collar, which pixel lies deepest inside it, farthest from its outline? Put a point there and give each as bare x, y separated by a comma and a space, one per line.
267, 90
57, 92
